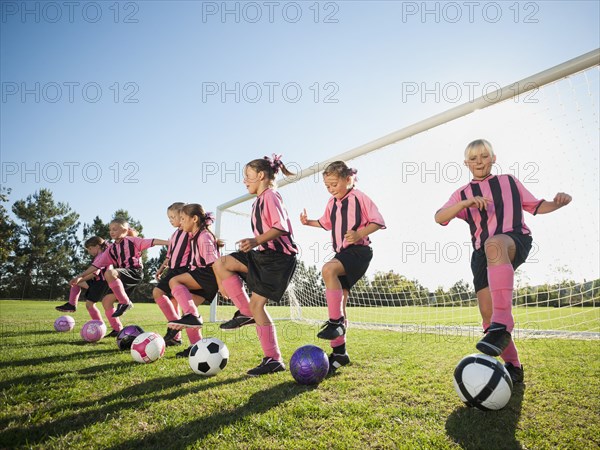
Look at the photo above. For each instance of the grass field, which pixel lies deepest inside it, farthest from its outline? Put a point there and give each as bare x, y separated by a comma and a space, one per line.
59, 392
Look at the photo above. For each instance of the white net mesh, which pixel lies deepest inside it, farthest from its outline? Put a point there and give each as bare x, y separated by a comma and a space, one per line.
420, 274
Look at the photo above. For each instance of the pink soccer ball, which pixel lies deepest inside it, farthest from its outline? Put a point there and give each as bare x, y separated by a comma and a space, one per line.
64, 323
93, 331
147, 347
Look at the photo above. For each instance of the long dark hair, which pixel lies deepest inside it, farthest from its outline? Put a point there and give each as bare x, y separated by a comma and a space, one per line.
270, 166
205, 219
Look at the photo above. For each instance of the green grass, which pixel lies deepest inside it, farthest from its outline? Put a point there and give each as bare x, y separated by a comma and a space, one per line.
58, 392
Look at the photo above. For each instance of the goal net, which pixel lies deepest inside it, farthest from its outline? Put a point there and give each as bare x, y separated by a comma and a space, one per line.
545, 131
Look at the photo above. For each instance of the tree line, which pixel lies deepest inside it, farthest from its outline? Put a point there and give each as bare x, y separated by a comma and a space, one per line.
42, 250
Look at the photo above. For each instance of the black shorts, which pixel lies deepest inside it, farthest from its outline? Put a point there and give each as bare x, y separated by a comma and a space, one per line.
356, 260
97, 290
479, 261
130, 278
205, 277
269, 272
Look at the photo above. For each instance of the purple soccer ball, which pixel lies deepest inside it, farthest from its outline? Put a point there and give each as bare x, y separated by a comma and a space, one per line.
309, 365
127, 335
64, 323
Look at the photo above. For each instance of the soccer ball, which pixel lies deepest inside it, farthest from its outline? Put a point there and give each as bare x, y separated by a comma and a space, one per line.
147, 347
483, 382
208, 357
64, 323
309, 365
127, 335
93, 331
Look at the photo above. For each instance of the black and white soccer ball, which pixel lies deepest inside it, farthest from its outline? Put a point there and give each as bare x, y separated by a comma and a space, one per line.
483, 382
208, 356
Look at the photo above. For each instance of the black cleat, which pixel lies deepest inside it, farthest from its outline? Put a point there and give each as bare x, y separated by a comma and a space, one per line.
332, 329
184, 354
495, 341
122, 309
188, 321
170, 338
336, 361
516, 373
113, 333
67, 307
268, 365
238, 320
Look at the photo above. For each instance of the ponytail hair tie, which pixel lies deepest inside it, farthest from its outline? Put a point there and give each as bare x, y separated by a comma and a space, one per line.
274, 162
209, 218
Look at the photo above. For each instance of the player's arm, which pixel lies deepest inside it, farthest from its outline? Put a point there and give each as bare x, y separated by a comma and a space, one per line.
354, 236
304, 220
561, 199
248, 244
445, 215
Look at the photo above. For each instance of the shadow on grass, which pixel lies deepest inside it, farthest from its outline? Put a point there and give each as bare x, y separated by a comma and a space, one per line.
35, 361
192, 433
472, 428
132, 399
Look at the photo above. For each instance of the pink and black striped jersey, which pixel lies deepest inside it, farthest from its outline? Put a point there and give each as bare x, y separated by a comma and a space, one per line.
269, 212
353, 212
178, 251
100, 272
126, 253
204, 250
504, 214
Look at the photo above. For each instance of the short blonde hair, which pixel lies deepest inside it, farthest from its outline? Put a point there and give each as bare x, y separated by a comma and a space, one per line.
476, 144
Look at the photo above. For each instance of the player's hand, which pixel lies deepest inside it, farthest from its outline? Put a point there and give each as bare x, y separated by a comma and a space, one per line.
75, 281
352, 237
479, 202
245, 245
561, 199
304, 217
159, 273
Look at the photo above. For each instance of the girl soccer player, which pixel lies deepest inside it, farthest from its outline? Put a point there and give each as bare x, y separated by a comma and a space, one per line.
94, 283
493, 207
351, 216
124, 254
176, 261
267, 270
200, 278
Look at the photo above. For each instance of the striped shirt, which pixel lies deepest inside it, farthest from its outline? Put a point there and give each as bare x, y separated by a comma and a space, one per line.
204, 250
269, 212
125, 253
504, 214
100, 272
353, 212
178, 251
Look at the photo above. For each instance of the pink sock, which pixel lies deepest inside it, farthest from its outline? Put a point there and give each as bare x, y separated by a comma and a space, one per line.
165, 305
334, 297
117, 288
185, 300
340, 339
234, 288
268, 341
115, 323
94, 313
510, 353
74, 295
194, 335
501, 281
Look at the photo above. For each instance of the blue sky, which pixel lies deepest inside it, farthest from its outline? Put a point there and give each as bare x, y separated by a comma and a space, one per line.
144, 127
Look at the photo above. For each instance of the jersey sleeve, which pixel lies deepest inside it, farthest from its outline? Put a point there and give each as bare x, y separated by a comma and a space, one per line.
207, 247
454, 200
103, 260
274, 213
325, 220
371, 211
142, 244
528, 200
